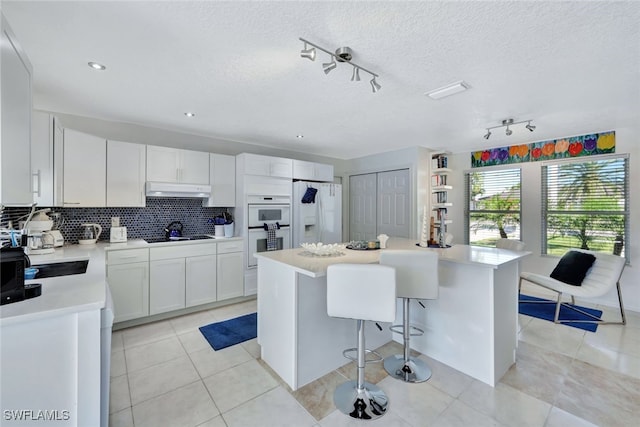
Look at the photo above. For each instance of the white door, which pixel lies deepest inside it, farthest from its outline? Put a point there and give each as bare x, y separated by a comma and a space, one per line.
126, 163
129, 285
166, 285
85, 170
362, 209
201, 280
394, 203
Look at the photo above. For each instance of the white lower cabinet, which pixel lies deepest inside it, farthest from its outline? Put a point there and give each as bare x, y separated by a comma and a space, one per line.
230, 270
201, 278
181, 276
166, 287
155, 280
128, 279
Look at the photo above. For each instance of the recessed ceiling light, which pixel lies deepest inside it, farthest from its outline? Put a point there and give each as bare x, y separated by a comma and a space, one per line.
97, 66
189, 114
299, 136
448, 90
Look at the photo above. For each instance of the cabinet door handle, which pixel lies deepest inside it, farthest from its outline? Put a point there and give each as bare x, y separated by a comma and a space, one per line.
71, 203
38, 177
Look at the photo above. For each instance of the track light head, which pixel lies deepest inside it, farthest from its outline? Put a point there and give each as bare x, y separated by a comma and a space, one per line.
308, 53
530, 127
508, 131
374, 85
356, 74
328, 66
488, 134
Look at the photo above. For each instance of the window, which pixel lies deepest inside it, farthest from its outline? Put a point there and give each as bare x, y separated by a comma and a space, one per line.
585, 204
492, 200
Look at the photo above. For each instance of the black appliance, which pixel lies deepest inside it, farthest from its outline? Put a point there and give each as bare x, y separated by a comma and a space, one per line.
176, 239
13, 261
174, 229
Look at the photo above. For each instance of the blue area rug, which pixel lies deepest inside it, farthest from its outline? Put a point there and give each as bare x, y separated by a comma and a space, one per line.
231, 332
547, 311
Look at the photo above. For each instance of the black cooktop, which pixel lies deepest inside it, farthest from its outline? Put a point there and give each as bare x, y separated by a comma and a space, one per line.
177, 239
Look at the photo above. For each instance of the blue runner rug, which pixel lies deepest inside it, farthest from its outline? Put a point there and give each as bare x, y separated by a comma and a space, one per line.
231, 332
547, 311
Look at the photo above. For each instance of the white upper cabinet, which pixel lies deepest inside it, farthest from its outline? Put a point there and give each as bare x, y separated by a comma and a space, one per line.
166, 164
84, 170
15, 145
42, 132
162, 164
310, 171
194, 167
222, 175
125, 174
254, 164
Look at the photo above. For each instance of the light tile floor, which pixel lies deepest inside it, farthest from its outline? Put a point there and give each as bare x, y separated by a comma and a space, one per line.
166, 374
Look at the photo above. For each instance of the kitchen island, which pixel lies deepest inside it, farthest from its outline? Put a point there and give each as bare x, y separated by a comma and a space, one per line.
471, 327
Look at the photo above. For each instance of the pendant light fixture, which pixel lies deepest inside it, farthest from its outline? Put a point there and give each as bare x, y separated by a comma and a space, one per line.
342, 54
508, 123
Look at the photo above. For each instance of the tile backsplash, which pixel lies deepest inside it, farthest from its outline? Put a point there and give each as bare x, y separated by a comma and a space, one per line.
147, 222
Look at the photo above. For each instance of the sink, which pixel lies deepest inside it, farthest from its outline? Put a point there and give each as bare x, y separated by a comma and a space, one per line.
56, 269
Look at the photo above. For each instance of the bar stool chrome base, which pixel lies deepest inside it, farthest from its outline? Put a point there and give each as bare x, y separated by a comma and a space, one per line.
368, 403
411, 370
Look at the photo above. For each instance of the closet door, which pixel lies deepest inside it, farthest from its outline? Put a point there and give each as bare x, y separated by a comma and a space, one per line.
379, 203
362, 209
394, 203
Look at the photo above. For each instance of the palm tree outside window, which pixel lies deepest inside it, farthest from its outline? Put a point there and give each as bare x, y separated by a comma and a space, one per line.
492, 206
585, 204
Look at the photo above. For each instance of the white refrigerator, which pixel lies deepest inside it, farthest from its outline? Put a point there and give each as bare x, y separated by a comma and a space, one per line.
320, 220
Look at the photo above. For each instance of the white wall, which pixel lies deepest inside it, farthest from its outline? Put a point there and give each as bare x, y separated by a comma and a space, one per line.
626, 142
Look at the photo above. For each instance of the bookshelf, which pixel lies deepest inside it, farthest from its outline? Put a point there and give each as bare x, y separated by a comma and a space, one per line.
440, 204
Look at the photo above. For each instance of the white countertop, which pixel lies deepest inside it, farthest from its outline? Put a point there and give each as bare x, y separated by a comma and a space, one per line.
316, 266
63, 294
77, 292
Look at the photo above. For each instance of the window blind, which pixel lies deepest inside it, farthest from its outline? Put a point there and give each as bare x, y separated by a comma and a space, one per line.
492, 204
585, 204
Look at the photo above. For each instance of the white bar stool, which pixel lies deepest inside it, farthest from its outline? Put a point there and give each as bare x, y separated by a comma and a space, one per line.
361, 292
416, 278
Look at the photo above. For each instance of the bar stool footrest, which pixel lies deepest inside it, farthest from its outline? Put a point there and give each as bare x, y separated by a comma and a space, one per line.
399, 329
378, 358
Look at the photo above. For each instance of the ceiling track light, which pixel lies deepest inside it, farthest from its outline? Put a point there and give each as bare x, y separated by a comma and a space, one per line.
342, 54
507, 123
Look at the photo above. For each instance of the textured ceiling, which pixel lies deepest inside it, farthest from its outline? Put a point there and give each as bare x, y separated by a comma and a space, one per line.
572, 67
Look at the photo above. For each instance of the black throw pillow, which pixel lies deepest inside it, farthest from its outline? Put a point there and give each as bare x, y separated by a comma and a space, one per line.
572, 267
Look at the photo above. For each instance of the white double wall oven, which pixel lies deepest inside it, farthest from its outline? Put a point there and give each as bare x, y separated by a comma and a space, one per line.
263, 212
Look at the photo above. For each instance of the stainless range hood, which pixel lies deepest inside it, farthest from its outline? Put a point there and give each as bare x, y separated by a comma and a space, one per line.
169, 189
